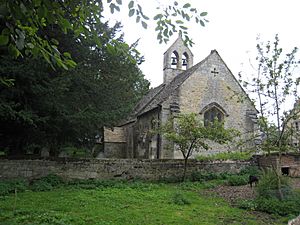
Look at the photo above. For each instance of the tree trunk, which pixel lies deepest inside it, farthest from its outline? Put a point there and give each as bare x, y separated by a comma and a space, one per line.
185, 167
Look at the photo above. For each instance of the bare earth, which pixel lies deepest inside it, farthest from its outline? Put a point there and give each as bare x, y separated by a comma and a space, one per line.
233, 193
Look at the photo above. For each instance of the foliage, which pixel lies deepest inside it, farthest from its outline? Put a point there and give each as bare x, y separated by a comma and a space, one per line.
202, 176
47, 183
251, 170
189, 134
23, 22
235, 155
138, 206
10, 186
284, 207
179, 199
237, 180
52, 110
273, 85
268, 185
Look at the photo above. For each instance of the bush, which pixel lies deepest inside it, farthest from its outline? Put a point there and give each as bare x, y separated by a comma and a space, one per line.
204, 176
268, 185
285, 207
47, 183
251, 170
237, 180
247, 204
180, 199
9, 186
236, 155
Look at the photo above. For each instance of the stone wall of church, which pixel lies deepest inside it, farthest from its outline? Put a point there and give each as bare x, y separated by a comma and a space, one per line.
145, 142
213, 82
113, 168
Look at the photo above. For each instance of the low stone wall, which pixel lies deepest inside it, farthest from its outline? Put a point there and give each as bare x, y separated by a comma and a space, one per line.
112, 168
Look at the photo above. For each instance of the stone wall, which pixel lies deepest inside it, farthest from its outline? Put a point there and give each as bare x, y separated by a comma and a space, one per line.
289, 162
112, 168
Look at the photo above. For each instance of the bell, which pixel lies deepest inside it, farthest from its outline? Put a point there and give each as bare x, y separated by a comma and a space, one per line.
174, 61
184, 62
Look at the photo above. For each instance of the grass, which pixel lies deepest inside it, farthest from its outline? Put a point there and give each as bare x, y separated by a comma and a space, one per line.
131, 203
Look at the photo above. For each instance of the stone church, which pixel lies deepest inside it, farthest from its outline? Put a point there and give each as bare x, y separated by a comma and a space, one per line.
207, 88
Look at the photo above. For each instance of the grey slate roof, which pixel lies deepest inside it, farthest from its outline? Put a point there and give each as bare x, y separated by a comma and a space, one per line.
157, 95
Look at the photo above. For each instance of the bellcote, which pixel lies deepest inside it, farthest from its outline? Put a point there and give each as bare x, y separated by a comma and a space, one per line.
176, 59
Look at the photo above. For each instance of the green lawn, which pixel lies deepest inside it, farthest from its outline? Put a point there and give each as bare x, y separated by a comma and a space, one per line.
130, 204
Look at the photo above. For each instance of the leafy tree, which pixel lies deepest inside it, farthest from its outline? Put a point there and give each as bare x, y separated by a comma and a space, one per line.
189, 134
22, 23
53, 108
273, 85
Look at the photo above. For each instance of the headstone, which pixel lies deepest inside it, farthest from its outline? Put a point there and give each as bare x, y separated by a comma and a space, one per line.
45, 153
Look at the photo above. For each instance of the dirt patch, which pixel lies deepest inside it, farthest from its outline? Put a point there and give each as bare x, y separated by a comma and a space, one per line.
234, 193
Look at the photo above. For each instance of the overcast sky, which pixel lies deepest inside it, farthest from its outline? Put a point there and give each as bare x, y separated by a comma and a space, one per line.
232, 31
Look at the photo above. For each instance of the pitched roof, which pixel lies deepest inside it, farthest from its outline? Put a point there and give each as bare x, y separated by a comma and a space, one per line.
157, 95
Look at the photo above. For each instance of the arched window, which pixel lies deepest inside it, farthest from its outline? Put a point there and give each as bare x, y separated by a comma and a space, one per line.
213, 114
175, 60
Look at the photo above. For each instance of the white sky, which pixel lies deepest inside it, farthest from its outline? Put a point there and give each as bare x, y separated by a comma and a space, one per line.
232, 31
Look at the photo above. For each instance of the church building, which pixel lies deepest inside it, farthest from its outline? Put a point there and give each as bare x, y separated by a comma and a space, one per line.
207, 88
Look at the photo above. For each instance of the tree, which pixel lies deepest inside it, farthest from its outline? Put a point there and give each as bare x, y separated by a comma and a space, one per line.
22, 23
54, 108
273, 85
189, 134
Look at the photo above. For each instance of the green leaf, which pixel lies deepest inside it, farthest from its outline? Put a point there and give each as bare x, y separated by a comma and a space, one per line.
3, 40
144, 25
176, 3
138, 18
179, 21
187, 5
131, 4
119, 2
67, 54
158, 16
13, 51
183, 27
202, 23
145, 17
203, 14
131, 12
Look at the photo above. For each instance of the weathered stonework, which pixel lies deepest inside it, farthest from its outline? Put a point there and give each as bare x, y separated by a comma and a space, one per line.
145, 169
289, 163
198, 89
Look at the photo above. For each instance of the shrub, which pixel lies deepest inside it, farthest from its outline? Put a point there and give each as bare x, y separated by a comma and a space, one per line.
9, 186
251, 170
47, 183
268, 185
236, 155
285, 207
180, 199
237, 180
247, 204
204, 176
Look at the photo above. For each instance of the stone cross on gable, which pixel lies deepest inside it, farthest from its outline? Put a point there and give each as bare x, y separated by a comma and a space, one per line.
215, 72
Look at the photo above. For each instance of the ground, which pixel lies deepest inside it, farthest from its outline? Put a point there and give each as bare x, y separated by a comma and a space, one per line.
234, 193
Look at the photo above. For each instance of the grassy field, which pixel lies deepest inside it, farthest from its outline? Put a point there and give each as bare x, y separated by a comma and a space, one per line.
136, 203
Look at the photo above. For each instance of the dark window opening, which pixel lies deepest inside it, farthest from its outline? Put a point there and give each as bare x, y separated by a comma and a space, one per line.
213, 114
175, 60
185, 60
285, 171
